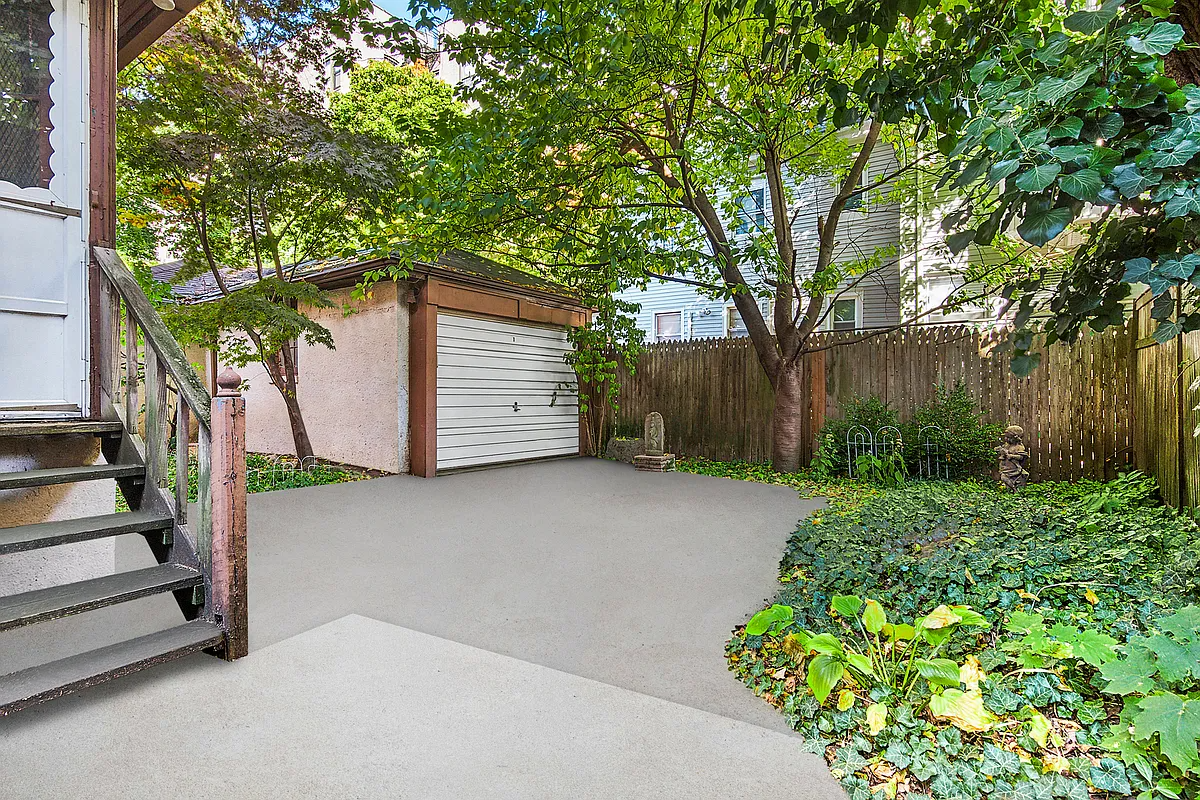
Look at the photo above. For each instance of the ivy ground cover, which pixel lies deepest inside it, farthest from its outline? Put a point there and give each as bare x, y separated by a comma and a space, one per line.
950, 641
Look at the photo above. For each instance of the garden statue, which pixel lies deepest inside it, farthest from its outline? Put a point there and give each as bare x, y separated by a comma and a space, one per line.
654, 459
655, 435
1013, 456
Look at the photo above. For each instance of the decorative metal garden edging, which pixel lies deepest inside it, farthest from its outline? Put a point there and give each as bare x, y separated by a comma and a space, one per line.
931, 444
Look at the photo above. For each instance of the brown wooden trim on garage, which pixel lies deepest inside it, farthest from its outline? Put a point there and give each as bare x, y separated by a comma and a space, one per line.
454, 297
422, 384
433, 295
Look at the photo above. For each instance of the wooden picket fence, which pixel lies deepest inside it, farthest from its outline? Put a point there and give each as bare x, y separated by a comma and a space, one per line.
1111, 401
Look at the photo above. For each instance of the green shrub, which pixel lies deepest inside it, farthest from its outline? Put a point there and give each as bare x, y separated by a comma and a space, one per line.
870, 412
969, 447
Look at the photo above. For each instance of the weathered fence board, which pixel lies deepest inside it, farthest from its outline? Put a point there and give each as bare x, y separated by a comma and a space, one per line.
718, 403
1112, 400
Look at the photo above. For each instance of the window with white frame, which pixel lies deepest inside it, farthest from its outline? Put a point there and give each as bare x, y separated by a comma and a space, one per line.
753, 211
845, 313
733, 322
858, 200
668, 326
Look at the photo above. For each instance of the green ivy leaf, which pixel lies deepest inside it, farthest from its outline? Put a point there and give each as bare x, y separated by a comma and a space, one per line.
1130, 181
998, 761
1109, 776
1083, 184
1093, 21
1068, 128
1159, 40
824, 672
1002, 169
957, 242
1040, 226
1177, 156
1072, 152
1177, 723
1137, 269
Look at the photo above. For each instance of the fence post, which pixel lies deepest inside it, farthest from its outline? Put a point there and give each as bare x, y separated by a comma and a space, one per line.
229, 513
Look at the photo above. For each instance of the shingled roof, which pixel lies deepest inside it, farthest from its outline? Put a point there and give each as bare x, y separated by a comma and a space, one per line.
324, 271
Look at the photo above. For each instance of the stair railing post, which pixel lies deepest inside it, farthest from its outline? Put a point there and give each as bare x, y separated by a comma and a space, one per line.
229, 513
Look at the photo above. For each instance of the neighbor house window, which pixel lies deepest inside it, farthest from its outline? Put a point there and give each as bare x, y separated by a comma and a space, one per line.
334, 72
668, 327
753, 212
733, 322
858, 200
844, 314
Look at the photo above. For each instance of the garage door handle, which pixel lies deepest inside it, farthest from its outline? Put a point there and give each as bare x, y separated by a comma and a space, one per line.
516, 406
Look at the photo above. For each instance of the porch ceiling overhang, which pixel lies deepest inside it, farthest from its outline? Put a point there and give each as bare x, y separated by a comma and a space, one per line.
140, 23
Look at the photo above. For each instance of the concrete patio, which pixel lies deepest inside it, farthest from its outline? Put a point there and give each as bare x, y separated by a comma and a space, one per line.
546, 630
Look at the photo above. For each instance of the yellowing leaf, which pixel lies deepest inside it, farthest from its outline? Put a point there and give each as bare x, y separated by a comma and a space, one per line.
1055, 763
845, 700
876, 718
971, 672
1091, 597
963, 710
1024, 595
941, 617
1039, 726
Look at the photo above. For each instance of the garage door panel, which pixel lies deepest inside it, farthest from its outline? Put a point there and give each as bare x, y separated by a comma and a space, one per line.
516, 435
498, 360
468, 326
488, 375
483, 459
493, 347
505, 392
499, 412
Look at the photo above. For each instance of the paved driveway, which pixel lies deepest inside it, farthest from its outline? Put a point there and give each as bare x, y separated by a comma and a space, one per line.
582, 566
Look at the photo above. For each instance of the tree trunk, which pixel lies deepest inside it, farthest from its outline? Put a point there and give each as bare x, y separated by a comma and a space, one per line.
299, 431
787, 424
1184, 65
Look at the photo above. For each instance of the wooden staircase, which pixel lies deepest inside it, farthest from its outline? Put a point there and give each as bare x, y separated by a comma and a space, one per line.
201, 559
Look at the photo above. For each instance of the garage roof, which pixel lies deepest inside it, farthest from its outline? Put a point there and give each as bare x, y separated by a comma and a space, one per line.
454, 266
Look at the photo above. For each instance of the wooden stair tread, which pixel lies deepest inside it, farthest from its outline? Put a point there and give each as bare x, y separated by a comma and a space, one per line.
48, 681
49, 534
49, 477
75, 598
58, 427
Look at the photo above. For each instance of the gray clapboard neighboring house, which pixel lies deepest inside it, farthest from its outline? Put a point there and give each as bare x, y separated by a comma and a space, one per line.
915, 275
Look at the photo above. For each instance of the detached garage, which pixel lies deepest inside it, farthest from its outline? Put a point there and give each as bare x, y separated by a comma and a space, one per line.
462, 365
504, 392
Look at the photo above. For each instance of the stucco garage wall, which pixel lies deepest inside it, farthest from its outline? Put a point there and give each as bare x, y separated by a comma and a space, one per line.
53, 566
352, 397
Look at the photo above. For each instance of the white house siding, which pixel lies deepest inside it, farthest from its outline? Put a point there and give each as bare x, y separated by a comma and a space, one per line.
861, 234
932, 273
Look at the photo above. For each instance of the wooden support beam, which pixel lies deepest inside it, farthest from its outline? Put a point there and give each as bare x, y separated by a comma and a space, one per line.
422, 342
229, 597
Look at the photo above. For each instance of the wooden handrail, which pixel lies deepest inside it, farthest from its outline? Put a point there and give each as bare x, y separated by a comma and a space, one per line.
190, 387
214, 540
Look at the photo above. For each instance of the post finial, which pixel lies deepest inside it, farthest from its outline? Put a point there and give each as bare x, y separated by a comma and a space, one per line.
229, 383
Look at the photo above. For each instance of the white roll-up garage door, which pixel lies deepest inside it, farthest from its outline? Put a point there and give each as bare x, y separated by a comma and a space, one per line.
504, 392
